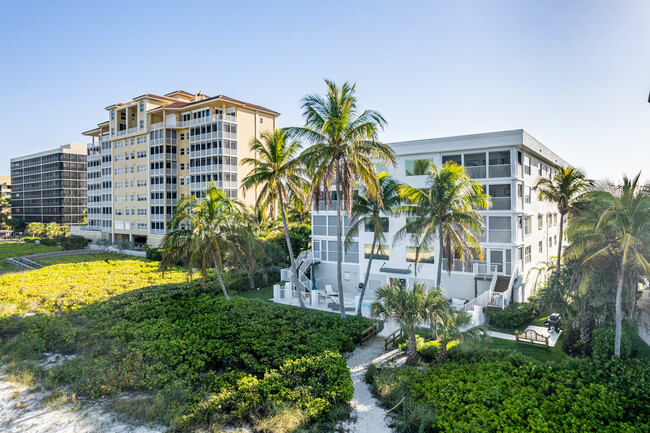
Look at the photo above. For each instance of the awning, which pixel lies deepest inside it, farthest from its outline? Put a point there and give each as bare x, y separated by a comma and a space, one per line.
395, 270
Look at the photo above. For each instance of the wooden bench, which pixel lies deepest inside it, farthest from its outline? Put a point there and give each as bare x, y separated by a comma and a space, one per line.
531, 336
392, 338
369, 333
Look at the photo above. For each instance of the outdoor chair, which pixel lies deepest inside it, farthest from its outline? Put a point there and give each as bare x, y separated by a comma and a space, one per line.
330, 293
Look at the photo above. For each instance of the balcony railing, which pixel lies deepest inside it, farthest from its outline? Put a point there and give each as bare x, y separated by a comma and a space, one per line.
177, 124
213, 152
500, 236
157, 125
213, 135
501, 203
121, 133
502, 170
477, 172
132, 130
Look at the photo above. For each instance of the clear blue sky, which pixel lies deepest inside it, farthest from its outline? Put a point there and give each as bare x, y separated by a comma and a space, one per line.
576, 75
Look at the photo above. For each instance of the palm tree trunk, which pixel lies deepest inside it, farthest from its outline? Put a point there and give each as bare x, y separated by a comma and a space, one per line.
217, 267
411, 349
365, 279
442, 355
559, 244
440, 260
293, 263
339, 240
619, 312
251, 278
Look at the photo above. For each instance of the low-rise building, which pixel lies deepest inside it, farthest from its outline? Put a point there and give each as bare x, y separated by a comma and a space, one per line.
521, 231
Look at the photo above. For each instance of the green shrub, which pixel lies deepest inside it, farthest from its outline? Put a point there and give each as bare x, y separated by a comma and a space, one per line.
153, 253
572, 345
31, 239
503, 393
516, 315
74, 242
602, 341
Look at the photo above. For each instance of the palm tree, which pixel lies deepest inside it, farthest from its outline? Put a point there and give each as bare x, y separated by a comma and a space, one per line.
278, 170
445, 210
373, 212
436, 305
616, 238
344, 150
200, 231
565, 189
451, 325
406, 307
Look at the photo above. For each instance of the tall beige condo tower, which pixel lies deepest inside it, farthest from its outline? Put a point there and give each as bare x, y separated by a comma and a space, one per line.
155, 150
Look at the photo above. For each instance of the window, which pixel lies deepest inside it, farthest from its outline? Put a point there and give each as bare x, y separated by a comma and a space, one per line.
142, 212
142, 139
555, 240
381, 251
499, 229
141, 106
529, 225
141, 168
369, 225
119, 171
550, 241
458, 159
113, 115
119, 158
142, 154
499, 164
141, 124
182, 137
540, 222
527, 257
112, 131
426, 255
142, 182
182, 149
182, 181
541, 246
119, 184
475, 165
133, 168
526, 164
527, 196
119, 144
119, 198
500, 197
182, 165
261, 120
417, 167
141, 197
142, 226
119, 212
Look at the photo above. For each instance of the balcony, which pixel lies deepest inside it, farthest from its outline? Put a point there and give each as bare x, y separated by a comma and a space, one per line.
121, 133
499, 236
177, 124
477, 172
132, 130
157, 125
501, 170
213, 135
501, 203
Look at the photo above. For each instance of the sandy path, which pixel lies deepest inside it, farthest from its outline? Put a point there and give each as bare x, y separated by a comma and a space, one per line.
369, 416
23, 412
643, 316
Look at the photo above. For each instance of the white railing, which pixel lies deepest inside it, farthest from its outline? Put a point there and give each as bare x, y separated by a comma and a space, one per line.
483, 268
157, 125
132, 130
121, 133
481, 301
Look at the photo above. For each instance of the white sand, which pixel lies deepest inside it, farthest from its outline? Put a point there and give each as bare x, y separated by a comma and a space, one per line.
22, 411
367, 416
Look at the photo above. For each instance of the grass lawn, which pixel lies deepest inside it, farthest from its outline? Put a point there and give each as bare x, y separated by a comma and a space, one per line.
539, 353
17, 249
264, 294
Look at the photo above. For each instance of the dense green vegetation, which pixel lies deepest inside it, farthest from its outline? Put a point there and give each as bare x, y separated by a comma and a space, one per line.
196, 359
18, 249
494, 391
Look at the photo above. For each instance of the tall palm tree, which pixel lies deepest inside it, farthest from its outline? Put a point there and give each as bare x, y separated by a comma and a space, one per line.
200, 231
406, 307
373, 212
278, 170
344, 150
565, 189
452, 326
445, 210
618, 239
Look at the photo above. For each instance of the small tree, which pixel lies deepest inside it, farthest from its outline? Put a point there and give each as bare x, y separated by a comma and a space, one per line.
406, 307
53, 230
451, 323
35, 229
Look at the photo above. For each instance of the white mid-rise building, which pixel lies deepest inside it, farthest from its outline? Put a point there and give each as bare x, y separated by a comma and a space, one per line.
521, 231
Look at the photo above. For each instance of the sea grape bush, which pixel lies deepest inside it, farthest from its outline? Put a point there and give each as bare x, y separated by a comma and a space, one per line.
517, 314
504, 394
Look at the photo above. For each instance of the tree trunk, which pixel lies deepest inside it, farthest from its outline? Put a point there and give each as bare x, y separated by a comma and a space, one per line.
442, 355
440, 258
619, 312
585, 321
217, 267
339, 240
294, 280
265, 275
411, 349
559, 244
251, 278
365, 279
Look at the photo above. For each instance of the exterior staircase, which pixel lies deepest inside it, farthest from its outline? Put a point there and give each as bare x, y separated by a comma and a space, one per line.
303, 262
502, 284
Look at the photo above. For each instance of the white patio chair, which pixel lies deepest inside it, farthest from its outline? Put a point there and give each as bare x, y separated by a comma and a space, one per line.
330, 293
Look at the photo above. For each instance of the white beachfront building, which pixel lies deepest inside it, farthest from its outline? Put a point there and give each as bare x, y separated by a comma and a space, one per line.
521, 231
